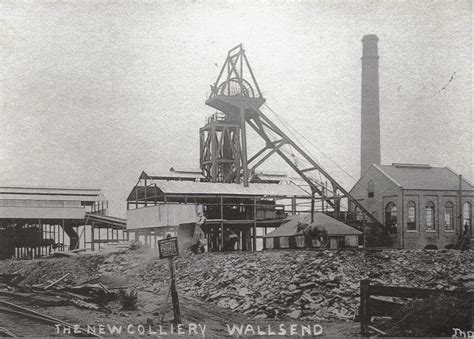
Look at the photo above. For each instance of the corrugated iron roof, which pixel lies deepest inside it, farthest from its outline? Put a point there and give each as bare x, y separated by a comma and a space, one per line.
46, 189
331, 225
186, 170
51, 197
174, 174
50, 193
187, 187
412, 176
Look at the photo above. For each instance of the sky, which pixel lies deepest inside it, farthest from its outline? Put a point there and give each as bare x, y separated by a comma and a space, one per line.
94, 92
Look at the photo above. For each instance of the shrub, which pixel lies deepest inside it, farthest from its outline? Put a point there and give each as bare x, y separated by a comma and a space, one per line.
128, 299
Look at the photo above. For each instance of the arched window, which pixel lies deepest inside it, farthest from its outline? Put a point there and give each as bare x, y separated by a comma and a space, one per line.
371, 188
430, 215
411, 224
391, 217
467, 214
449, 216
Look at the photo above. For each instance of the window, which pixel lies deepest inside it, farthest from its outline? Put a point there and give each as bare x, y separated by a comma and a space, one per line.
466, 215
371, 188
449, 216
430, 216
391, 217
411, 224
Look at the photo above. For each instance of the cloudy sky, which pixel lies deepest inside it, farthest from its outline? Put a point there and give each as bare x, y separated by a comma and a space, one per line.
94, 92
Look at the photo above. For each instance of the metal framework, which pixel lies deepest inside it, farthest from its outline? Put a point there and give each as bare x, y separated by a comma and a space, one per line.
224, 140
250, 217
23, 236
220, 148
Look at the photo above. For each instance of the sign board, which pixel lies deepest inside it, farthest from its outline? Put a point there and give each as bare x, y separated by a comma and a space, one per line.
168, 247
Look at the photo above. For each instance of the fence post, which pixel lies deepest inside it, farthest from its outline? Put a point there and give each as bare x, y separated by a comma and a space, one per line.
363, 310
174, 294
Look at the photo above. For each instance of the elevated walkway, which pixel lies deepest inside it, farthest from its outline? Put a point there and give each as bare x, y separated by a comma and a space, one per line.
105, 221
103, 224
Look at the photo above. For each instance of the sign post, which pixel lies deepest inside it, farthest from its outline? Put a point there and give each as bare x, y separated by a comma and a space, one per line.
168, 248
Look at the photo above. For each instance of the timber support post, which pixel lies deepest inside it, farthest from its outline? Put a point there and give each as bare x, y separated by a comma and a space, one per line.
363, 310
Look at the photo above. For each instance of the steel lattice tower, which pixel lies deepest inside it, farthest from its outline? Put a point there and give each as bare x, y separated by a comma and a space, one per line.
223, 140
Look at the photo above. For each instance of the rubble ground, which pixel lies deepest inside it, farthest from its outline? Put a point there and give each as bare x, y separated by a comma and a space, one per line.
258, 287
313, 286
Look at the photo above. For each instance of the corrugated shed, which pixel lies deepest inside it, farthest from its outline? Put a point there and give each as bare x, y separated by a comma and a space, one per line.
331, 225
412, 176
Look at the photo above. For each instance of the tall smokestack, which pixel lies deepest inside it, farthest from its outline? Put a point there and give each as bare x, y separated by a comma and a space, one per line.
370, 120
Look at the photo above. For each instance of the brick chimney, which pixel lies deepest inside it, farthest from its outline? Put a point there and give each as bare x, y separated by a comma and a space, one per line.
370, 111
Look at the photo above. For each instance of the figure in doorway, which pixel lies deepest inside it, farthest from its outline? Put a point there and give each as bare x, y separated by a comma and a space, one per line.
199, 242
230, 239
464, 241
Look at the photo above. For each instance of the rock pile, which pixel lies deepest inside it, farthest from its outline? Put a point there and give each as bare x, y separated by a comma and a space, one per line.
47, 270
312, 285
304, 285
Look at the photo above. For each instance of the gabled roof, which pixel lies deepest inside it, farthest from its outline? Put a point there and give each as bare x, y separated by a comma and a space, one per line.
280, 178
173, 174
425, 177
331, 225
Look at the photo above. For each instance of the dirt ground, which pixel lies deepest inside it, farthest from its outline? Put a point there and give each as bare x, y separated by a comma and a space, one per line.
192, 311
141, 271
149, 315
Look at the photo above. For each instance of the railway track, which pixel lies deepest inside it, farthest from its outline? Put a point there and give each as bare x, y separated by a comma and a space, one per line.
4, 332
21, 313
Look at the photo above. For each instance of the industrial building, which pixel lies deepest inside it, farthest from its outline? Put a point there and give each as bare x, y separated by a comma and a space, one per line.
157, 207
400, 206
421, 206
36, 221
230, 192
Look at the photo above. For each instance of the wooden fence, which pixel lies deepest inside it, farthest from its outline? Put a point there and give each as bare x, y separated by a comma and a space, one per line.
370, 307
